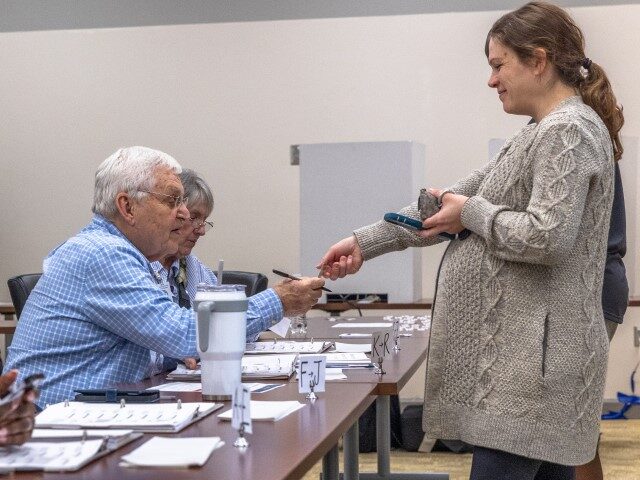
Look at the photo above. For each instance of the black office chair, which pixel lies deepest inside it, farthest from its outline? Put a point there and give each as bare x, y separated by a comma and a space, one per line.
255, 282
20, 287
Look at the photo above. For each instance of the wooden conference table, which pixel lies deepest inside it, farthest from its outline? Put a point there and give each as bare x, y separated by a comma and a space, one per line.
285, 449
290, 447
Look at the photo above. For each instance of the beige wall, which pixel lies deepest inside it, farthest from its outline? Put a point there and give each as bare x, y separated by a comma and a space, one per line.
229, 99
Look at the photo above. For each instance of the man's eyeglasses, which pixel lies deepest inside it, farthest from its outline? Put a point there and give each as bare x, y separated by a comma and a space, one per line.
175, 202
197, 224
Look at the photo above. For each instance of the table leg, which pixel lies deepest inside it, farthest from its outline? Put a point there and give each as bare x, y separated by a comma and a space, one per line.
383, 434
383, 445
331, 464
351, 444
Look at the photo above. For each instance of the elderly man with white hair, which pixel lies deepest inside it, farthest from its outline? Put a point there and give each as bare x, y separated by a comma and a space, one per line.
98, 309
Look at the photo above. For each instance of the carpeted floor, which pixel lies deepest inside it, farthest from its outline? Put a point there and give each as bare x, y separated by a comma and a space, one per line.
619, 451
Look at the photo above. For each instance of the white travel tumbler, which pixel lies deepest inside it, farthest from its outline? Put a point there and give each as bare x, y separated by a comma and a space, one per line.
221, 327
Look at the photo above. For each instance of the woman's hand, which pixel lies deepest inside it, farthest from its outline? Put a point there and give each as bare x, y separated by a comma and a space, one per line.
342, 259
448, 218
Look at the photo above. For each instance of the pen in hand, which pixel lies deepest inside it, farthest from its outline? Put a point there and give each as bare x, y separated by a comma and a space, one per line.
286, 275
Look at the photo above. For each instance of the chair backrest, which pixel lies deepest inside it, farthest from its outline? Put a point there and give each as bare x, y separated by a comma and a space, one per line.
20, 287
255, 282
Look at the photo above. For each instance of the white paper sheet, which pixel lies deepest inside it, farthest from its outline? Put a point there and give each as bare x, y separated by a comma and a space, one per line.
40, 433
169, 452
347, 357
282, 327
262, 387
268, 411
50, 457
334, 374
353, 347
178, 387
355, 335
346, 360
362, 325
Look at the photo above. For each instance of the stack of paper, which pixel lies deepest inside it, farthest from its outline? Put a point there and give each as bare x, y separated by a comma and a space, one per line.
50, 457
353, 347
286, 346
183, 373
331, 374
157, 417
65, 456
362, 325
254, 367
178, 387
267, 411
348, 360
268, 366
197, 387
115, 438
162, 452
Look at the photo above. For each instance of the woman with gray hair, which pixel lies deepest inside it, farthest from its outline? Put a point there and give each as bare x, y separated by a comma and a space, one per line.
182, 271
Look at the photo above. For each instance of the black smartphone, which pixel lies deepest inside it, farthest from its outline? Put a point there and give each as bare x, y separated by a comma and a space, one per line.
18, 389
112, 395
403, 221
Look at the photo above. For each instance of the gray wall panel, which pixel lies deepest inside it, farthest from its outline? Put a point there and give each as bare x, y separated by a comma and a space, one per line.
24, 15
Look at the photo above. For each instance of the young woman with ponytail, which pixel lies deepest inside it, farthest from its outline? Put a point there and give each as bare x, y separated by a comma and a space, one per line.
518, 347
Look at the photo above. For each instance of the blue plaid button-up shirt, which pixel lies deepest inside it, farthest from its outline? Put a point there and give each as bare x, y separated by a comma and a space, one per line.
95, 314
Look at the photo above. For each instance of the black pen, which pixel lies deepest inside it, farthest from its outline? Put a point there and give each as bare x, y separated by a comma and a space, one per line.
286, 275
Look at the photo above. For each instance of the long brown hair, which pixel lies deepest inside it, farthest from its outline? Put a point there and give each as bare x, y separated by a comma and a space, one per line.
547, 26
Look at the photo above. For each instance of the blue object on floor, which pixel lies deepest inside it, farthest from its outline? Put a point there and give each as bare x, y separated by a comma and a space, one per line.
626, 400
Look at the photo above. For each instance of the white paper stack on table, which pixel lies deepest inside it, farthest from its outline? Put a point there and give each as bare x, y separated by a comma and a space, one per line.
78, 448
50, 457
267, 411
268, 366
363, 325
348, 360
254, 367
115, 437
286, 346
156, 417
197, 387
352, 347
162, 452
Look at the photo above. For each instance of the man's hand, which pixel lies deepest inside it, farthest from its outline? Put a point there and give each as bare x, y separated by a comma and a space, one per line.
17, 417
298, 296
343, 258
190, 363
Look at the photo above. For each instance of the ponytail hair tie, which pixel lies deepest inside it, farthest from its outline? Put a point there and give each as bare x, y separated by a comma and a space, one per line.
586, 63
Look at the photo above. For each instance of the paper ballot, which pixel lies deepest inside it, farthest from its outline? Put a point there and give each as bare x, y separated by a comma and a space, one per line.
362, 325
353, 347
282, 327
168, 452
268, 411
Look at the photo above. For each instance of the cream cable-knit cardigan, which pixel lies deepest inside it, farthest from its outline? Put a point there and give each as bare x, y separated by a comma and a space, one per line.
518, 348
